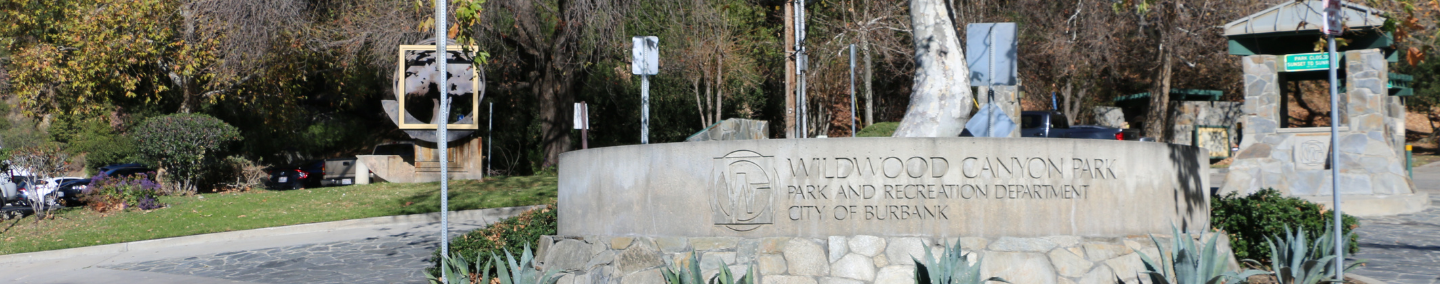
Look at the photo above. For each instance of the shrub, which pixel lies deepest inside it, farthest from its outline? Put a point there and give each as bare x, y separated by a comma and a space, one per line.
950, 268
96, 138
135, 191
236, 173
510, 234
689, 272
458, 270
1250, 219
1295, 259
1185, 262
182, 143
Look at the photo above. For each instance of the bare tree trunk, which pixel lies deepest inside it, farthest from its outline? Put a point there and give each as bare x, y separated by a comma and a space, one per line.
1159, 114
699, 102
719, 85
554, 105
789, 93
709, 93
940, 101
869, 74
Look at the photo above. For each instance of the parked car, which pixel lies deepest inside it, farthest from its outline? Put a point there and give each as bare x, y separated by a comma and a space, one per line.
1054, 125
15, 190
339, 172
9, 189
301, 175
70, 191
49, 189
406, 151
124, 170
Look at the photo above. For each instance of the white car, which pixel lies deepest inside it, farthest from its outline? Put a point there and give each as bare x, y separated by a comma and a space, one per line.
48, 186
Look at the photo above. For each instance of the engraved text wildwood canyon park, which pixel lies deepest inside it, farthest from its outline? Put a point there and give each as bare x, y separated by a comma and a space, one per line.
869, 188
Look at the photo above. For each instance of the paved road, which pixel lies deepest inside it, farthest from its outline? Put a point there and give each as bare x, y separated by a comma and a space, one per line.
1405, 248
1402, 249
384, 253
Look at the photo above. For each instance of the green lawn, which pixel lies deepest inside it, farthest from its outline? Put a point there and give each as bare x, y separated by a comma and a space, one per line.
220, 212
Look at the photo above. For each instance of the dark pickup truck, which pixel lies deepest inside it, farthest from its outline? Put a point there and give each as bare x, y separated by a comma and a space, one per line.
1053, 124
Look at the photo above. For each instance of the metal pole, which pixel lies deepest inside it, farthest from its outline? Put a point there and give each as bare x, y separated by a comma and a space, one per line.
1409, 161
440, 132
490, 132
584, 126
645, 109
1335, 158
852, 90
800, 69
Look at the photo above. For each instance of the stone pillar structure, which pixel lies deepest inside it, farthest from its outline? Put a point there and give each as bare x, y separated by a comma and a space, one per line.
1008, 97
1295, 161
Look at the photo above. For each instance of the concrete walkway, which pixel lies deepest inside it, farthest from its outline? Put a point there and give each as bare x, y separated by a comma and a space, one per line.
375, 250
1405, 248
1401, 249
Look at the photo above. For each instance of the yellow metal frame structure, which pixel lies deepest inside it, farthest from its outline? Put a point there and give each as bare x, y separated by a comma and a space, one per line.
400, 97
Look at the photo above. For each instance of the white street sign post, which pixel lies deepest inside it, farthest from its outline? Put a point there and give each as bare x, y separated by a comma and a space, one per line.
582, 122
645, 61
1331, 28
440, 131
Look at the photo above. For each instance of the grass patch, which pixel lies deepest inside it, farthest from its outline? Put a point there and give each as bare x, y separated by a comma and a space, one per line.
882, 129
222, 212
1421, 160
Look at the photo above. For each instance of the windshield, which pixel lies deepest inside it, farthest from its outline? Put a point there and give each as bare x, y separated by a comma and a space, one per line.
1029, 121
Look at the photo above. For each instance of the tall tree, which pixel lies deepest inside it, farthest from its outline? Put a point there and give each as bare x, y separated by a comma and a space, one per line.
940, 101
547, 44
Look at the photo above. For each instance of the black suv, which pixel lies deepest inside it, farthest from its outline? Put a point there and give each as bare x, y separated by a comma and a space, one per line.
124, 170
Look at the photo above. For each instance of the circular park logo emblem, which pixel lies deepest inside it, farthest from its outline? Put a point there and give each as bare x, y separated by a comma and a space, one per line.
742, 190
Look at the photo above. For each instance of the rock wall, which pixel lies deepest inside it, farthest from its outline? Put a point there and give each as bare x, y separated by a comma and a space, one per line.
848, 259
1109, 116
1188, 114
1296, 161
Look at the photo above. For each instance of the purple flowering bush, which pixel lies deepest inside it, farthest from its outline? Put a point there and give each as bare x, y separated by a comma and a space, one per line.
106, 194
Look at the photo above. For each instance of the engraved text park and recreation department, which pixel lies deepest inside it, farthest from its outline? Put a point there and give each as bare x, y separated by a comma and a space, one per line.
820, 183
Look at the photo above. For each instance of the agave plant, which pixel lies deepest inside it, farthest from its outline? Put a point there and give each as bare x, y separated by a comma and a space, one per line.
458, 270
950, 268
1296, 263
1190, 264
689, 273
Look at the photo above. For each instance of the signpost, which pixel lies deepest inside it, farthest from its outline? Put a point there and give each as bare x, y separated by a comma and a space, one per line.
1331, 29
1307, 61
582, 122
802, 108
440, 130
990, 53
645, 61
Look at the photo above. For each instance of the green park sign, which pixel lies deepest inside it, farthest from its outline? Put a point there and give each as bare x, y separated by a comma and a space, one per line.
1307, 62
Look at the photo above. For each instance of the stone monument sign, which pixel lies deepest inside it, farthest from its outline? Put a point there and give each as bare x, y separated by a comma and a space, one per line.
859, 209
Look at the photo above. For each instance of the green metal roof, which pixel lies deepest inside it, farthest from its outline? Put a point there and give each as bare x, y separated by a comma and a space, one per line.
1301, 16
1399, 85
1184, 94
1293, 27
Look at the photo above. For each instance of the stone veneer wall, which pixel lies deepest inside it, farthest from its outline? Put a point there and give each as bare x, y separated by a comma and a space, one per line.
1109, 116
1188, 114
847, 259
1295, 160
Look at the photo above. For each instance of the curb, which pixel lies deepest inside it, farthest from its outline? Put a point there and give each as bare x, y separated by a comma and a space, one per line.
1363, 279
491, 214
